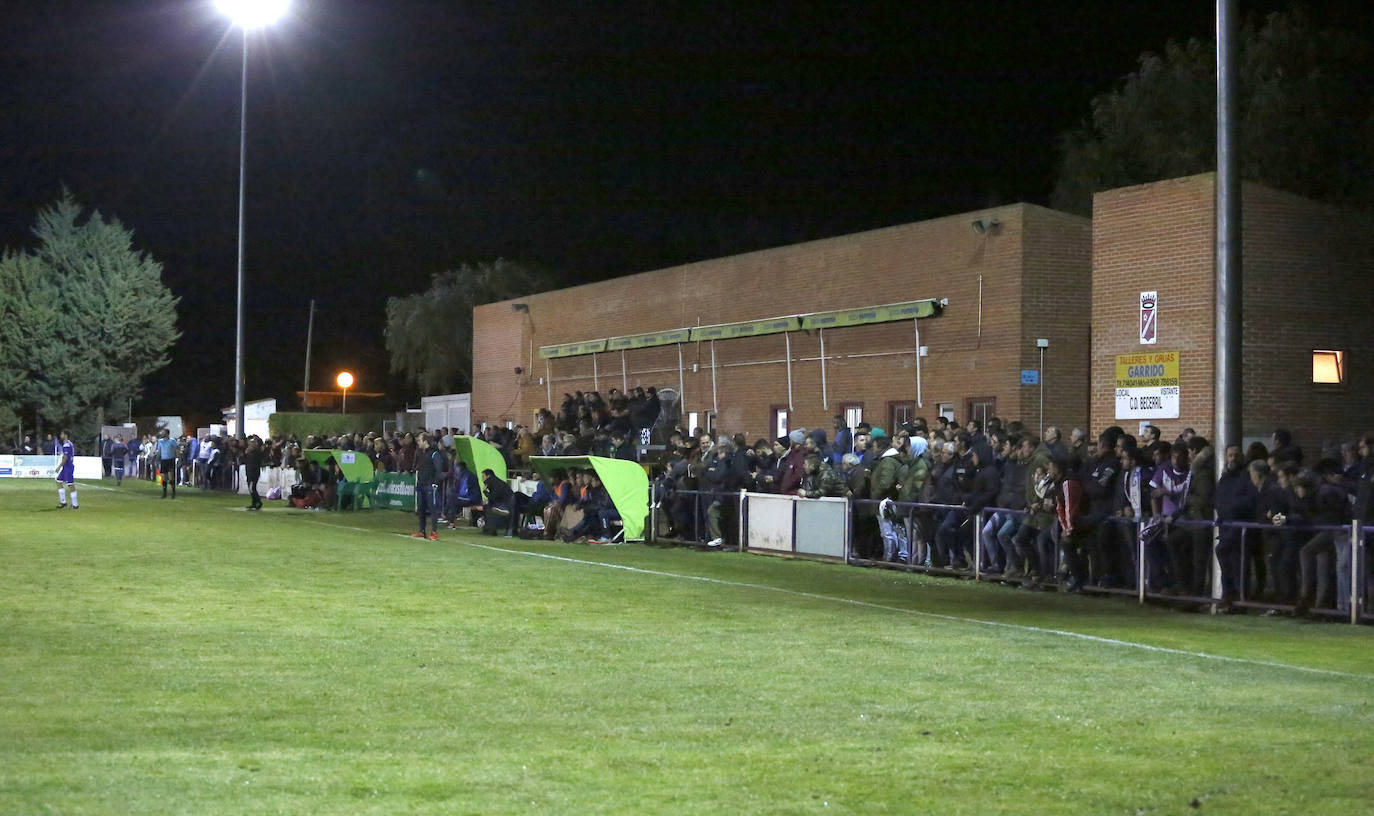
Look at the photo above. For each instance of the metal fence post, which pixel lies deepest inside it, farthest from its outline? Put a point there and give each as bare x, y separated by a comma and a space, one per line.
978, 545
653, 515
1356, 545
1216, 567
909, 522
1140, 559
696, 515
848, 528
741, 529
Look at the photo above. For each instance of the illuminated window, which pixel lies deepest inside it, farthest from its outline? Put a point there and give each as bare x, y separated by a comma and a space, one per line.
1328, 366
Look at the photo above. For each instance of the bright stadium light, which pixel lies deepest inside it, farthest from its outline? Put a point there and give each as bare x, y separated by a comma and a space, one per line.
345, 381
248, 14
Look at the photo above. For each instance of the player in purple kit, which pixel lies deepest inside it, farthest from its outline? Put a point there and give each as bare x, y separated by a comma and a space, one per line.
66, 471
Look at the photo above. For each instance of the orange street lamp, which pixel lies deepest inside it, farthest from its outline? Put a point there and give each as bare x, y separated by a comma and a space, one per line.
345, 381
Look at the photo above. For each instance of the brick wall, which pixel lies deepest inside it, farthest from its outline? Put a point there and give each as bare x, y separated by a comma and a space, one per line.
872, 365
1308, 270
1057, 306
1309, 284
1155, 237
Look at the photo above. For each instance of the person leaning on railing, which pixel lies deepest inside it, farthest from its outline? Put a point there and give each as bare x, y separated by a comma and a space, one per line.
1237, 499
1326, 555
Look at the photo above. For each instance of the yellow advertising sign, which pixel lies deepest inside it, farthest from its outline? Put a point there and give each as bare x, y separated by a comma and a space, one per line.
1150, 369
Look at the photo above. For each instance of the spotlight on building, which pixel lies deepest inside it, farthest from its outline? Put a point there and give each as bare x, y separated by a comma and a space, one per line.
520, 307
985, 225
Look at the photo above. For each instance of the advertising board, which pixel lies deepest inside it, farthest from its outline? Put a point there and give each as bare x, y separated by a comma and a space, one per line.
1147, 385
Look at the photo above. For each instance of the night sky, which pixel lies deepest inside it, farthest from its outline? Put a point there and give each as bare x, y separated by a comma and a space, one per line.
388, 141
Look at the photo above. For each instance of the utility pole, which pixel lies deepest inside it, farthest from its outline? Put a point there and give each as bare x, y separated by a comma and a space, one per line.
309, 337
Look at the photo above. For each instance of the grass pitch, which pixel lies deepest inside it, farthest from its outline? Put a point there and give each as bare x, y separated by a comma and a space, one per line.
189, 657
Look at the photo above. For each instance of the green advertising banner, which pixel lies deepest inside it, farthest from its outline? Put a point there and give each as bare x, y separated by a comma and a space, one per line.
751, 328
572, 349
873, 314
663, 338
396, 491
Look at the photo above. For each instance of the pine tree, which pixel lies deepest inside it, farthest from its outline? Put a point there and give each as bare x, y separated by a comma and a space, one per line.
84, 319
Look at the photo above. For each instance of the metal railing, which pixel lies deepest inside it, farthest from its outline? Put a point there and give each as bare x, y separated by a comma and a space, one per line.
1134, 561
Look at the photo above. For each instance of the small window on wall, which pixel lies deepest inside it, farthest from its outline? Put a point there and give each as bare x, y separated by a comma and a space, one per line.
1328, 367
692, 422
898, 413
779, 422
853, 414
946, 410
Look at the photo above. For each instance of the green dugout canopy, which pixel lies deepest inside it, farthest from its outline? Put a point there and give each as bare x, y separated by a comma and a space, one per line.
356, 465
625, 481
480, 456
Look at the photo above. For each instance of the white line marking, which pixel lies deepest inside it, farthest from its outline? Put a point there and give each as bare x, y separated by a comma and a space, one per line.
1273, 664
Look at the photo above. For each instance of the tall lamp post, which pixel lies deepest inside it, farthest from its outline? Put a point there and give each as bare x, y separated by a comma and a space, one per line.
345, 381
248, 15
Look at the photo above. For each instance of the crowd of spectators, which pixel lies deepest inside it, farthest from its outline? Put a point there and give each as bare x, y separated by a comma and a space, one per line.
1072, 513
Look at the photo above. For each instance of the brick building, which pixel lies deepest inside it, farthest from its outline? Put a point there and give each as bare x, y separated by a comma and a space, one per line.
1308, 277
1007, 277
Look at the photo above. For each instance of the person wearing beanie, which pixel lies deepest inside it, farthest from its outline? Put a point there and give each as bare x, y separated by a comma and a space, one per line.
793, 466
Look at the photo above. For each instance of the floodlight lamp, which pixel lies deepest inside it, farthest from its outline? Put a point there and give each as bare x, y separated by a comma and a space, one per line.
345, 379
251, 14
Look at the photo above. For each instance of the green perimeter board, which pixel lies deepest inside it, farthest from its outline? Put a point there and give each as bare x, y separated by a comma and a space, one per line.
396, 491
480, 456
358, 470
626, 481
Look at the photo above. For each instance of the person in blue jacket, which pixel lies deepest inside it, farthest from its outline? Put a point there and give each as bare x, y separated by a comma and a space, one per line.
465, 492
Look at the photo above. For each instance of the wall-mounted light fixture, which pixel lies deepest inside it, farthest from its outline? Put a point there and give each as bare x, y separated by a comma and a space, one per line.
982, 226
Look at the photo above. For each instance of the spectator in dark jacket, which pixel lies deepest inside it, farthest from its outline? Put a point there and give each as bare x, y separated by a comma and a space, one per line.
987, 483
1315, 559
500, 503
1299, 506
1364, 485
1237, 499
1099, 478
1284, 452
1011, 496
720, 478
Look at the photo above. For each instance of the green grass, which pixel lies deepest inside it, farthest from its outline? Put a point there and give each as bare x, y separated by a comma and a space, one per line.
187, 657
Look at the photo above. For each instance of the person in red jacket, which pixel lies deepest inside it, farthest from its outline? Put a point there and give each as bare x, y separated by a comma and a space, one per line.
1069, 509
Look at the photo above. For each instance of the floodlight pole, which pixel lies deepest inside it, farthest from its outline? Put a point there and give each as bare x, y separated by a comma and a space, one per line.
238, 327
1229, 423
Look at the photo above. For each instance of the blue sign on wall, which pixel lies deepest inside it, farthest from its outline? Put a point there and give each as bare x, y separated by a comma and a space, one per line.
1030, 376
